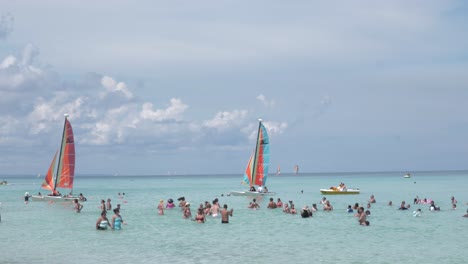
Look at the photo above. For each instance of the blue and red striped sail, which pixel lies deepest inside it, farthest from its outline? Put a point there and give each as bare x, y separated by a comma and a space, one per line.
62, 175
256, 172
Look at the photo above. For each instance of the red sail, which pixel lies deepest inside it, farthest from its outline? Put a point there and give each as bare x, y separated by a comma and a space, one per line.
48, 182
67, 162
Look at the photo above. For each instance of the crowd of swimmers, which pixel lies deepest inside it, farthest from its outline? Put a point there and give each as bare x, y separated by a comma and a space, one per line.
214, 209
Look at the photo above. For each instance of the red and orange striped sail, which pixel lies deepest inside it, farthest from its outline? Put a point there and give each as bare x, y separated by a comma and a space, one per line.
67, 158
48, 182
62, 175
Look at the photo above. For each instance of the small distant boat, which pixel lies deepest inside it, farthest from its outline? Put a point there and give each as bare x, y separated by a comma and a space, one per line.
296, 169
407, 175
61, 175
338, 191
256, 172
3, 182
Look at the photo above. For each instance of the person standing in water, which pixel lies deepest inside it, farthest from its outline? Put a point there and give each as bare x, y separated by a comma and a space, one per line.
102, 222
26, 197
161, 207
117, 220
77, 206
108, 204
225, 214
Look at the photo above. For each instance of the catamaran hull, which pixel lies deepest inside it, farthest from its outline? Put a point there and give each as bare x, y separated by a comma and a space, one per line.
46, 198
248, 193
337, 192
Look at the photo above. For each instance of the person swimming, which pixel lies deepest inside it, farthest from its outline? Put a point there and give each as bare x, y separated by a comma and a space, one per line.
417, 213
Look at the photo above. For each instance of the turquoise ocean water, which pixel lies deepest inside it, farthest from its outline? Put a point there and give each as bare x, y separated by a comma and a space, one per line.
39, 232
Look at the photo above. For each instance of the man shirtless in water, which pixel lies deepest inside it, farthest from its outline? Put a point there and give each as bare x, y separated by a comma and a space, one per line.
225, 214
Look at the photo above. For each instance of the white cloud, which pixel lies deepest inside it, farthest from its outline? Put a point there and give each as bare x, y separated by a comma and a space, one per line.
273, 128
6, 25
8, 62
268, 103
173, 112
225, 119
115, 87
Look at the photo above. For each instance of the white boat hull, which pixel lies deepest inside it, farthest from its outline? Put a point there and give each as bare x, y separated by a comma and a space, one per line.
338, 192
46, 198
249, 193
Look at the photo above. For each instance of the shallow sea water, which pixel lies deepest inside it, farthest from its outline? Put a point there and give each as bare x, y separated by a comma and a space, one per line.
53, 233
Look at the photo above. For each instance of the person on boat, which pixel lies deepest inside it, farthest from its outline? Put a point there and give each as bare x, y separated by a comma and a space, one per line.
200, 217
350, 209
82, 198
117, 220
170, 204
161, 207
26, 197
265, 189
77, 206
260, 189
279, 203
187, 212
372, 199
108, 204
102, 222
252, 189
225, 214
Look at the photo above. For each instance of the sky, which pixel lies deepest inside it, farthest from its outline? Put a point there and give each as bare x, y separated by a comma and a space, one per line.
177, 87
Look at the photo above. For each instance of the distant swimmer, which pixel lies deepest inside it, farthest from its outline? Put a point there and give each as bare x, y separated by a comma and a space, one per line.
417, 213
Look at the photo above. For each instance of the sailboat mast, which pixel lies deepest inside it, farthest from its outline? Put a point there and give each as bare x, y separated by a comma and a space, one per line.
60, 154
254, 168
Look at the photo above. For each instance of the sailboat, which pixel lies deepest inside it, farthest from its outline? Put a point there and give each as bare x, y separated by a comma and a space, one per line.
62, 169
256, 172
296, 169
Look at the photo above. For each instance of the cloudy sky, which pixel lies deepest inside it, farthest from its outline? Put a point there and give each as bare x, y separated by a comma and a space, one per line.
157, 87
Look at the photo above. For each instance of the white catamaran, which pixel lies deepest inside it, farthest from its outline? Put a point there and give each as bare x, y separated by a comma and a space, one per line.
256, 172
61, 175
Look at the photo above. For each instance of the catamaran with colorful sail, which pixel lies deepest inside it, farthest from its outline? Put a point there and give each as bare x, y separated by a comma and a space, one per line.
256, 173
61, 175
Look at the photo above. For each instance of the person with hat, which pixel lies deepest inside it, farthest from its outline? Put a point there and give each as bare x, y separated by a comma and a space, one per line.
187, 212
170, 204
